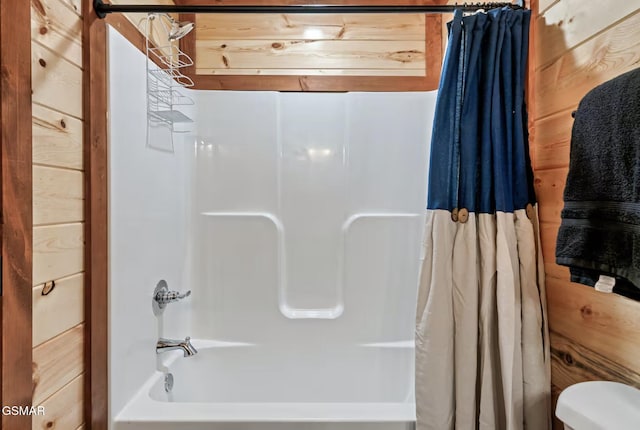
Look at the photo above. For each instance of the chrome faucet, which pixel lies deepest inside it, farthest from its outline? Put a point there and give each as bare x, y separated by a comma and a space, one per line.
171, 344
164, 297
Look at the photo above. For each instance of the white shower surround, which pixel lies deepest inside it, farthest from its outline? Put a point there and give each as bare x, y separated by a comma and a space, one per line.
296, 221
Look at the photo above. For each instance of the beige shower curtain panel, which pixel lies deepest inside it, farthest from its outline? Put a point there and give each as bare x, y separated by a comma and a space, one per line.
482, 355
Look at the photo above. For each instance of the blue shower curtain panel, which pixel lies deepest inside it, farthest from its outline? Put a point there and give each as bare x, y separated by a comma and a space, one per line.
479, 155
482, 349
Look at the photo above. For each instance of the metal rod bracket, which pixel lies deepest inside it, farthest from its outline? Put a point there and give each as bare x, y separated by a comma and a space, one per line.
99, 6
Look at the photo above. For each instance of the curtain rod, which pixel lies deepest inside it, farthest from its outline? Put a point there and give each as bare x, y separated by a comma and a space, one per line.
102, 9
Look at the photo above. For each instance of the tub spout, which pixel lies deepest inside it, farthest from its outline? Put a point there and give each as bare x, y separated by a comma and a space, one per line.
171, 344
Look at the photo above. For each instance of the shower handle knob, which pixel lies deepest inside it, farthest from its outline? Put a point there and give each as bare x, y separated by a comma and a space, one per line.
165, 297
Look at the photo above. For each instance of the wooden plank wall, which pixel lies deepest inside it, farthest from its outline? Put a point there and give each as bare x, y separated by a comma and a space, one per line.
59, 370
16, 220
58, 243
322, 52
308, 44
594, 336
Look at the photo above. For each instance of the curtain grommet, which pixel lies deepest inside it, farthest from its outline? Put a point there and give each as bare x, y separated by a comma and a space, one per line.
454, 215
529, 210
463, 215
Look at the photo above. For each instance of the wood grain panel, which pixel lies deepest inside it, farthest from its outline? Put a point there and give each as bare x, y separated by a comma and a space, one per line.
549, 188
57, 251
157, 31
48, 320
57, 138
575, 48
317, 72
314, 83
188, 43
552, 140
548, 237
555, 271
563, 83
63, 409
300, 54
56, 83
310, 27
332, 83
310, 68
95, 155
57, 195
57, 362
133, 35
56, 29
545, 4
74, 5
572, 363
568, 23
604, 323
15, 210
56, 26
446, 18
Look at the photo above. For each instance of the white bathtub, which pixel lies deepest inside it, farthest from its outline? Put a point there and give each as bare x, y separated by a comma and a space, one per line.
223, 387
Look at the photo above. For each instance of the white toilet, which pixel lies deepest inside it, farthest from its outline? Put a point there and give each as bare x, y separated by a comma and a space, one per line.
599, 405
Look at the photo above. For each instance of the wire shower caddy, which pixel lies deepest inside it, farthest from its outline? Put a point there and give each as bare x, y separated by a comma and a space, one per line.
165, 82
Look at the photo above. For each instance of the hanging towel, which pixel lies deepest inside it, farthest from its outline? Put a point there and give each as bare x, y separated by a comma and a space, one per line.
600, 230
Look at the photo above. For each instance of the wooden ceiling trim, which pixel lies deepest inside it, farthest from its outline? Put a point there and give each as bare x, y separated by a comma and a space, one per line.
322, 83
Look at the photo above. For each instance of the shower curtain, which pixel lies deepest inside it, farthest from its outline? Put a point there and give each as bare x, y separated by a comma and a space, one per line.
482, 346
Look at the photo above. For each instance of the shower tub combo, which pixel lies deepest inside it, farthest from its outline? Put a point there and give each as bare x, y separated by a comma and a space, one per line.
296, 222
232, 387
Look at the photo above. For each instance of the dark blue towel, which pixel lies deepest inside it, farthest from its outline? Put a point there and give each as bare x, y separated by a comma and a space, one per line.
600, 231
